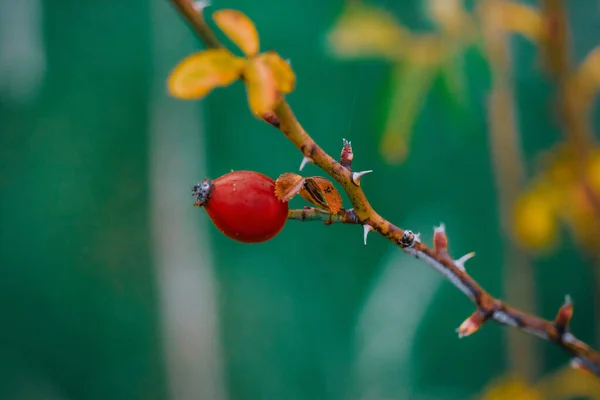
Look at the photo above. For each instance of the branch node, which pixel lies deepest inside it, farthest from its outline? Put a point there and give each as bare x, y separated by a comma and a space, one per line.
460, 263
366, 229
305, 160
408, 239
347, 155
357, 175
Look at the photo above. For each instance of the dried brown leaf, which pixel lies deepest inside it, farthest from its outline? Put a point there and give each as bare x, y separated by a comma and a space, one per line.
321, 192
288, 185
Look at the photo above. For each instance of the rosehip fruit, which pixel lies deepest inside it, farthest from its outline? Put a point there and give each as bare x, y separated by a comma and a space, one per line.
243, 206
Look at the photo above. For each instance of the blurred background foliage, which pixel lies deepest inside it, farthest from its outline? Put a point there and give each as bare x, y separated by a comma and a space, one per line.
114, 286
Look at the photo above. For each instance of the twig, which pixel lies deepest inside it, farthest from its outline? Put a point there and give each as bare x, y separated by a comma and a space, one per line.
316, 214
438, 257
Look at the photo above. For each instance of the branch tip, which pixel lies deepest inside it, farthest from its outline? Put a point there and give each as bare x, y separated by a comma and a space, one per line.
471, 324
564, 315
440, 241
440, 229
357, 175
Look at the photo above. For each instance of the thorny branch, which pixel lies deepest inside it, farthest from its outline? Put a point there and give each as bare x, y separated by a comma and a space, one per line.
488, 307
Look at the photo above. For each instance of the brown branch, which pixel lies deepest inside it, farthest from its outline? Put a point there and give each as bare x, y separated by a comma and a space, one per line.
363, 213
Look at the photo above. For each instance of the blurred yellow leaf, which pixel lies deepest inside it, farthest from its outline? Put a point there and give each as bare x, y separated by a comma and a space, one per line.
569, 383
511, 389
519, 18
535, 223
450, 15
366, 31
239, 28
261, 87
410, 88
284, 76
198, 74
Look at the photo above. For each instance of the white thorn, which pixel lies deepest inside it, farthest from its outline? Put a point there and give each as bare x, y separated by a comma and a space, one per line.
440, 229
418, 237
305, 161
287, 60
201, 5
460, 263
357, 175
366, 229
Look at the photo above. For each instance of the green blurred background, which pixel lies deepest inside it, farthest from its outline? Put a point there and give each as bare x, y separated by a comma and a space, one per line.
114, 287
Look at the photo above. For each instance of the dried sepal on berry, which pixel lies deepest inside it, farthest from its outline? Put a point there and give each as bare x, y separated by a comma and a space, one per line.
198, 74
240, 29
322, 193
284, 76
315, 189
288, 185
261, 87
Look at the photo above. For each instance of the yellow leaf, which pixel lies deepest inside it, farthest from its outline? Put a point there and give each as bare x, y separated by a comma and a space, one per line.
285, 79
239, 28
411, 85
261, 87
364, 31
198, 74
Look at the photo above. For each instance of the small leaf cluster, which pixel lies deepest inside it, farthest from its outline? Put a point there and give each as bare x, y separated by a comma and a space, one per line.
266, 75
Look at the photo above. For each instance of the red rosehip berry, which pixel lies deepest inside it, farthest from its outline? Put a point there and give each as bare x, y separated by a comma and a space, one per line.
243, 206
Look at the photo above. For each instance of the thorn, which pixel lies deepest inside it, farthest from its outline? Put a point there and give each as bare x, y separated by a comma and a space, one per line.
201, 5
287, 60
460, 263
418, 237
305, 161
366, 228
357, 175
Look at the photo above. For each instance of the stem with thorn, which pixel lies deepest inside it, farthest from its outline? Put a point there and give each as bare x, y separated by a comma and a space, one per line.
438, 258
